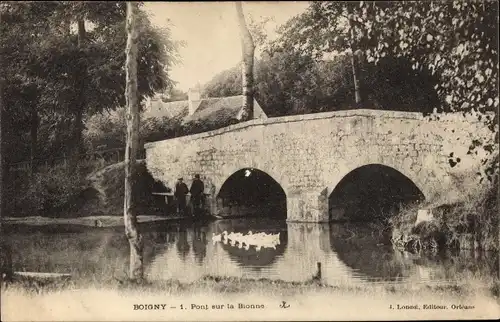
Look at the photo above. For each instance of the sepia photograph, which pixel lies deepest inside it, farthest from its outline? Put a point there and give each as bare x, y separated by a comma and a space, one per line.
249, 161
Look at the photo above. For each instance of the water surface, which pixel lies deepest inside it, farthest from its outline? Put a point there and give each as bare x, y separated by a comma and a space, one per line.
348, 253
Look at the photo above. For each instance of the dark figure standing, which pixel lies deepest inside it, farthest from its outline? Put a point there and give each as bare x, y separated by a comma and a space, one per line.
180, 193
197, 189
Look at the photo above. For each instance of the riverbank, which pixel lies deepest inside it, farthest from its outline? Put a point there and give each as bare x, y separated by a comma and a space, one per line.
91, 221
470, 224
261, 299
103, 221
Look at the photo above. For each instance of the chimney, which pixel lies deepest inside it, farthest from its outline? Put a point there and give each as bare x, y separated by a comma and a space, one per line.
194, 99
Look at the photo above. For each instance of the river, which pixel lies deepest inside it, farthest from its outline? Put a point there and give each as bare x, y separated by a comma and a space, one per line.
349, 253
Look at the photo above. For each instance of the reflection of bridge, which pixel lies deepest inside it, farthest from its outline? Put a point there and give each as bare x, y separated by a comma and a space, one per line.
309, 155
302, 246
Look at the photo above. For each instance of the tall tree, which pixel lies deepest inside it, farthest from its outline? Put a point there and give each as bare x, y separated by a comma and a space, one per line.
456, 41
45, 66
2, 193
5, 251
132, 147
80, 97
329, 27
248, 50
290, 82
354, 59
21, 54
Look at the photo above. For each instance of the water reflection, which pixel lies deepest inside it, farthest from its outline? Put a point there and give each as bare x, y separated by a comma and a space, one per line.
365, 248
349, 253
251, 257
182, 244
199, 242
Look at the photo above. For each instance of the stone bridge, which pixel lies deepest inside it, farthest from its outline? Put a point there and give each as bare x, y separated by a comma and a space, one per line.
309, 156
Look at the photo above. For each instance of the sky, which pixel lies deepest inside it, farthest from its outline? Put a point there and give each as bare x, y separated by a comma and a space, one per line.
210, 31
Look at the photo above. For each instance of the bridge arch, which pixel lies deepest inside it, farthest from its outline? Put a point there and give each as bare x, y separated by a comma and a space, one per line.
266, 166
251, 191
372, 191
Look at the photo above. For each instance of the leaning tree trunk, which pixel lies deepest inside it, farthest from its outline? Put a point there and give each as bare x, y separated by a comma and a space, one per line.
132, 147
248, 49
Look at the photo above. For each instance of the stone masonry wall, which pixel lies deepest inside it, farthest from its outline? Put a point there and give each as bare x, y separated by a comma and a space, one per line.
309, 154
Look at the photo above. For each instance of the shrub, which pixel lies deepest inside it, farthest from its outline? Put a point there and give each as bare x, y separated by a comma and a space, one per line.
471, 224
49, 190
87, 191
109, 183
107, 129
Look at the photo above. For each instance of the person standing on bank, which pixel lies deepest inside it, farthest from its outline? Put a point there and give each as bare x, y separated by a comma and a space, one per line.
180, 193
197, 189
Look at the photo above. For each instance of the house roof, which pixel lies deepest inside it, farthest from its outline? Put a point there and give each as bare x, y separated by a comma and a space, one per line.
158, 108
216, 111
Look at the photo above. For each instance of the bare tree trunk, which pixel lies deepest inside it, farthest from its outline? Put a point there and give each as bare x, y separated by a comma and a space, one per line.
2, 149
355, 66
5, 249
132, 118
5, 253
355, 73
76, 147
248, 49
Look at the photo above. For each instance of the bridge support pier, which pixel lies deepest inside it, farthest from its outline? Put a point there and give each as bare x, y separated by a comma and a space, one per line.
309, 238
213, 205
308, 207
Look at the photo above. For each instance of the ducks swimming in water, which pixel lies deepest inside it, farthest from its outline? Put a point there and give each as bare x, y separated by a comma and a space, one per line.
259, 240
216, 238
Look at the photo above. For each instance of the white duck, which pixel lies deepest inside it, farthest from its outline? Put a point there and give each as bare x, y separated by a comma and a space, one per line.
260, 240
224, 236
230, 236
237, 236
265, 240
216, 238
244, 239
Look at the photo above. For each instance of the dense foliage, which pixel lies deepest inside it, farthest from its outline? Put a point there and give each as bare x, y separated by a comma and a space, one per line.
455, 41
61, 64
64, 59
107, 130
50, 190
292, 83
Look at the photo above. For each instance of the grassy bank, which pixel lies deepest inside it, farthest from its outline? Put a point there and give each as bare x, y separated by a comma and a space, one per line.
91, 221
470, 224
92, 189
225, 285
312, 300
